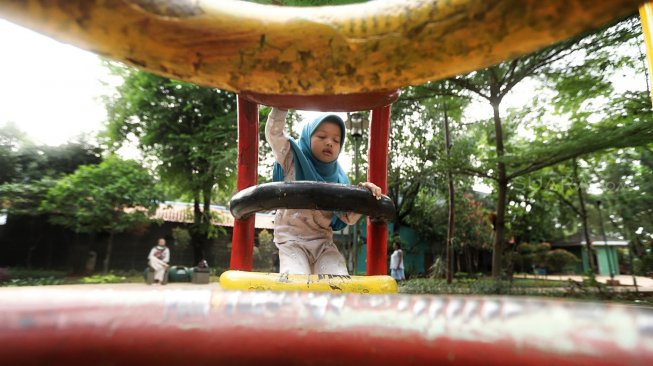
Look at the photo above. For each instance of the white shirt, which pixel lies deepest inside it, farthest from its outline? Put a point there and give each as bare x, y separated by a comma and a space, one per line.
397, 259
165, 255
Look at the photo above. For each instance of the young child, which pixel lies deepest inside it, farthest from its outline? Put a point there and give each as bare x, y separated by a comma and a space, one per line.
305, 237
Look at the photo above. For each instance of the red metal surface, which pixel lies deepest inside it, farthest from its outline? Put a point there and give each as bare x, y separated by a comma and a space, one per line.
243, 236
377, 234
326, 103
198, 327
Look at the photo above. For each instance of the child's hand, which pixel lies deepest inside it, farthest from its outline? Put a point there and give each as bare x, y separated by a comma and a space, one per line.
376, 190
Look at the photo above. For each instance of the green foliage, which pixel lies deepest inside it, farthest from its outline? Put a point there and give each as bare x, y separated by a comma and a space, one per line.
113, 196
25, 198
21, 273
181, 237
28, 171
188, 132
483, 286
560, 260
19, 276
109, 278
29, 281
644, 265
528, 256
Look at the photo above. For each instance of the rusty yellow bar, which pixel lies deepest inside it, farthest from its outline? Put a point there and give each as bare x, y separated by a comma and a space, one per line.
240, 280
379, 45
646, 15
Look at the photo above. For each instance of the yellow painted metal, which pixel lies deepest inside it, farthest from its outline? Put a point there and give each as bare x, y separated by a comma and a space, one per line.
240, 280
373, 46
646, 15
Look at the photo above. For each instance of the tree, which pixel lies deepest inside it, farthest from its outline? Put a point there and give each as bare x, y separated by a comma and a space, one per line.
111, 197
557, 63
188, 131
28, 171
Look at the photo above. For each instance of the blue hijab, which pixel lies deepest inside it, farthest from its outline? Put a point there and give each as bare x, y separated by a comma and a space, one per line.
308, 167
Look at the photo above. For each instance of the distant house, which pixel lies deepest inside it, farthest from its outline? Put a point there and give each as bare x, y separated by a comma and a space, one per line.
605, 251
182, 212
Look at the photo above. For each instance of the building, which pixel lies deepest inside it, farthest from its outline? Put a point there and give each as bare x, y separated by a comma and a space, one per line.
606, 252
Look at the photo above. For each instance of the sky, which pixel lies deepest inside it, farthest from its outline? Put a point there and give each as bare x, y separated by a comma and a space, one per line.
49, 89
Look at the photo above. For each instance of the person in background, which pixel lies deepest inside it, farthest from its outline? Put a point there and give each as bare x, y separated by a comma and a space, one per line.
397, 263
158, 260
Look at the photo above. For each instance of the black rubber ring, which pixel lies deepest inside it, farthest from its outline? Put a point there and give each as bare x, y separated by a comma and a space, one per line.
312, 196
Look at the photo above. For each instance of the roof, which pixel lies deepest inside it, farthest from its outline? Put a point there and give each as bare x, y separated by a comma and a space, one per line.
578, 239
183, 212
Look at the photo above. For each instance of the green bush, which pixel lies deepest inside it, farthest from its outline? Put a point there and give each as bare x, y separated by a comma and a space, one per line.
24, 273
110, 278
29, 281
560, 259
644, 266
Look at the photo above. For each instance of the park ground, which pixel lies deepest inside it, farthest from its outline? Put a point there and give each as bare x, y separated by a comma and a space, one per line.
551, 286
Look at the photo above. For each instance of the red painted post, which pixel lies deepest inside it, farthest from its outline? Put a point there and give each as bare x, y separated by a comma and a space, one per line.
242, 243
377, 234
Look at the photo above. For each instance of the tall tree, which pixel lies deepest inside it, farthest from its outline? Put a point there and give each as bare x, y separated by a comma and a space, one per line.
493, 85
189, 132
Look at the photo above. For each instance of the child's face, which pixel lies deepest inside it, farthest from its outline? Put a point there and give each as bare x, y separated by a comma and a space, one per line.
325, 141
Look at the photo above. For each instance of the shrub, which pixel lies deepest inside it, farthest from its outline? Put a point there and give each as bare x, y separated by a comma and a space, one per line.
560, 259
110, 278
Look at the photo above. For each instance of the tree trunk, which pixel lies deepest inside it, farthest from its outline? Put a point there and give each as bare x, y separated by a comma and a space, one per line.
196, 234
502, 186
107, 256
583, 217
452, 201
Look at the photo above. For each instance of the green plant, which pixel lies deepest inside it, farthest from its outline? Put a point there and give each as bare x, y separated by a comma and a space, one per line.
559, 259
110, 278
181, 237
29, 281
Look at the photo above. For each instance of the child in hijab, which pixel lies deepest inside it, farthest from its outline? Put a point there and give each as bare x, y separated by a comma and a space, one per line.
305, 237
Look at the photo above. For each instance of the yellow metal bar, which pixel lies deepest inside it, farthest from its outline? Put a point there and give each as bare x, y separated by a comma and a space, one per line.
356, 48
255, 281
646, 15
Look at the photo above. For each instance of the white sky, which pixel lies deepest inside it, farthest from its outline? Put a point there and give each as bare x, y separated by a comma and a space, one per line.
49, 89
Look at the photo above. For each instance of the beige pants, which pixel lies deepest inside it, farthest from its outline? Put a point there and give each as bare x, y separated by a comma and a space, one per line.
294, 258
159, 268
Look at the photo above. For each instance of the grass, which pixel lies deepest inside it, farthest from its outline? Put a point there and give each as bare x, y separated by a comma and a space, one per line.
17, 276
590, 289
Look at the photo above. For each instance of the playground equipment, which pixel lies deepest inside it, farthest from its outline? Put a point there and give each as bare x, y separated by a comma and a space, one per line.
356, 59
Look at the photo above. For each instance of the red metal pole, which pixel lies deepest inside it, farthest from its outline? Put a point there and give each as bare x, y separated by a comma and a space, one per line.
377, 234
207, 326
242, 243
